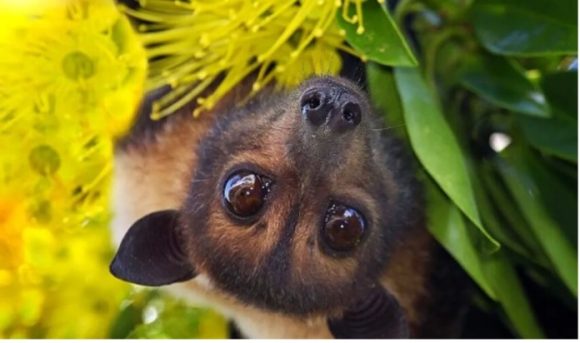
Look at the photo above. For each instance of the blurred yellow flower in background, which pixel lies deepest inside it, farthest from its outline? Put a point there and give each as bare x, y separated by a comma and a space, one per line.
72, 74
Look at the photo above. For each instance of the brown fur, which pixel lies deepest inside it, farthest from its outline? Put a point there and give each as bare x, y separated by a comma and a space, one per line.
161, 169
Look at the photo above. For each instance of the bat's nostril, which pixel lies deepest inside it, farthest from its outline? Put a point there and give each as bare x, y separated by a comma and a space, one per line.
313, 102
351, 113
312, 107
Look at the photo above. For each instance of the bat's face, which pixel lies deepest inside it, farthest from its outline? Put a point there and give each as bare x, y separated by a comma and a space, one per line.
296, 199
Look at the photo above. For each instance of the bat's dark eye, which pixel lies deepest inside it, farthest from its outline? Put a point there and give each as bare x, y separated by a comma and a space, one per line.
343, 228
245, 193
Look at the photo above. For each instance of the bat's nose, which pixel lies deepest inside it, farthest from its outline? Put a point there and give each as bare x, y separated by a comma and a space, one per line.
330, 105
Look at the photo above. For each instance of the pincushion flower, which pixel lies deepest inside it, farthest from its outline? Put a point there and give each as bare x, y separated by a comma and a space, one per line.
72, 74
193, 45
66, 62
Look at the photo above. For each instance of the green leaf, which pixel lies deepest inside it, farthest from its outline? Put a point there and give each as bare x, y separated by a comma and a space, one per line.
155, 314
385, 96
527, 27
559, 250
561, 91
568, 172
559, 199
500, 82
446, 224
127, 319
435, 145
511, 295
493, 273
381, 40
504, 219
557, 136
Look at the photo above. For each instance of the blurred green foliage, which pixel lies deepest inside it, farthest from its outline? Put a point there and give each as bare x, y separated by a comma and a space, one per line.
150, 313
491, 114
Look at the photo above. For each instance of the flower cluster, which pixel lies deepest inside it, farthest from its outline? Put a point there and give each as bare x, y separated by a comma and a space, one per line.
72, 74
196, 44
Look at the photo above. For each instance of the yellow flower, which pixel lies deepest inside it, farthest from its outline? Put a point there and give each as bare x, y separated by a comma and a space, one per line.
66, 62
12, 217
195, 44
72, 75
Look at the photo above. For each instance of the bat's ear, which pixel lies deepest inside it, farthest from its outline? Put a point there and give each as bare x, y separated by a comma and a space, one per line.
151, 253
377, 315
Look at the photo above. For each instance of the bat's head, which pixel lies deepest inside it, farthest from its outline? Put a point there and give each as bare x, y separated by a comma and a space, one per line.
294, 205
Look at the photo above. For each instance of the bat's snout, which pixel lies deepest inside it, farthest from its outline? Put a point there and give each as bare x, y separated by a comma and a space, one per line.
330, 106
